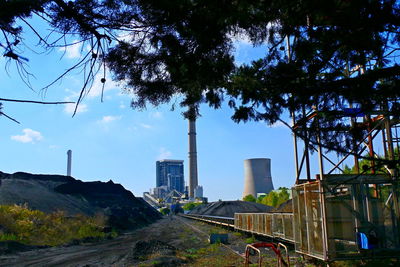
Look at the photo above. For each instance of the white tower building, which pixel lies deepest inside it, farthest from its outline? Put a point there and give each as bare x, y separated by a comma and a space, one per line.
257, 176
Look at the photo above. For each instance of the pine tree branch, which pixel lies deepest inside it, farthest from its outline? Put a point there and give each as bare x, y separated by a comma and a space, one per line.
34, 102
8, 117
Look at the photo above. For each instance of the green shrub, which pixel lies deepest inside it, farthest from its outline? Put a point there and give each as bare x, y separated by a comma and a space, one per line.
8, 237
237, 234
165, 211
250, 240
191, 205
33, 227
276, 197
249, 198
88, 230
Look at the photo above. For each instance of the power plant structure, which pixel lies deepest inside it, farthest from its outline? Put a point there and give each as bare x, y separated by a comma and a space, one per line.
334, 216
69, 162
198, 192
193, 179
257, 176
169, 173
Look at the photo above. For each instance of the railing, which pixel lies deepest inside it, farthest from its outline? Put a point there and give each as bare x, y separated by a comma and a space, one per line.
274, 225
224, 221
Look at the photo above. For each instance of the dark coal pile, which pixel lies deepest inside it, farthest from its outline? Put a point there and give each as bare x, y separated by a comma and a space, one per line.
159, 253
8, 247
50, 193
285, 207
229, 208
145, 248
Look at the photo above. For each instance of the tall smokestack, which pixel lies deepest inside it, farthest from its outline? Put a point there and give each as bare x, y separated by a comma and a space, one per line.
193, 181
69, 162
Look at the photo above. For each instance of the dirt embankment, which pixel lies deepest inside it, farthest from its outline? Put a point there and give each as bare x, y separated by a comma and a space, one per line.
172, 241
168, 242
50, 193
158, 242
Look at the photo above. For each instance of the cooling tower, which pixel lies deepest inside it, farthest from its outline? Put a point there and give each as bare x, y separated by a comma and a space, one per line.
257, 176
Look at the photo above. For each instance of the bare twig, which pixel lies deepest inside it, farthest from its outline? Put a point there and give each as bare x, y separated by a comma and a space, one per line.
67, 71
87, 80
34, 102
41, 39
8, 117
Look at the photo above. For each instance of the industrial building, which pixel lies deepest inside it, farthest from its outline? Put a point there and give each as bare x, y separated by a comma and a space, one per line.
198, 192
257, 176
170, 185
170, 173
159, 192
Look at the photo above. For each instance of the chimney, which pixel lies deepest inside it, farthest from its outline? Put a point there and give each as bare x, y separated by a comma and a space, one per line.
69, 162
193, 180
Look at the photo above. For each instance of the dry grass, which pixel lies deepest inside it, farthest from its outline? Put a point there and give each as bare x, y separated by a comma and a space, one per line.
33, 227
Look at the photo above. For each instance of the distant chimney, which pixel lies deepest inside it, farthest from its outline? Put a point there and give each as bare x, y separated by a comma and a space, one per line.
69, 162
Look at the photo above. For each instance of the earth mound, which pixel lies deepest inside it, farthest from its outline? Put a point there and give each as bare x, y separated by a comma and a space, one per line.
144, 248
229, 208
160, 254
285, 206
50, 193
8, 247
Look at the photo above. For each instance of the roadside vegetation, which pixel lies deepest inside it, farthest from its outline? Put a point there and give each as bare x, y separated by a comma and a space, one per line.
365, 165
273, 198
165, 211
34, 227
191, 205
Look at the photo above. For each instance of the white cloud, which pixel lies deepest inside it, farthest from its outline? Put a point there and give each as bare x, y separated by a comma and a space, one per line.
277, 124
241, 39
94, 91
122, 105
97, 86
125, 37
72, 51
156, 115
164, 154
70, 108
28, 136
107, 119
146, 126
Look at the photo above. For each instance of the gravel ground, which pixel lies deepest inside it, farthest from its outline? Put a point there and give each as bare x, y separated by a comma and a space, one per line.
172, 241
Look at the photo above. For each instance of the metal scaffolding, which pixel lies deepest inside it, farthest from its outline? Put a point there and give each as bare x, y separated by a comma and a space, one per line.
349, 216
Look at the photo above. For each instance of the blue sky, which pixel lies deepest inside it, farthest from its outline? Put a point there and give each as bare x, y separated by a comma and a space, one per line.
110, 140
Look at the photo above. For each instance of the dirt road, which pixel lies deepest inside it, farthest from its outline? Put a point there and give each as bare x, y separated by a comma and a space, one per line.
168, 242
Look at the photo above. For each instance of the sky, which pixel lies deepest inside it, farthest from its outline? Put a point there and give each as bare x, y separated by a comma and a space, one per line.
110, 140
